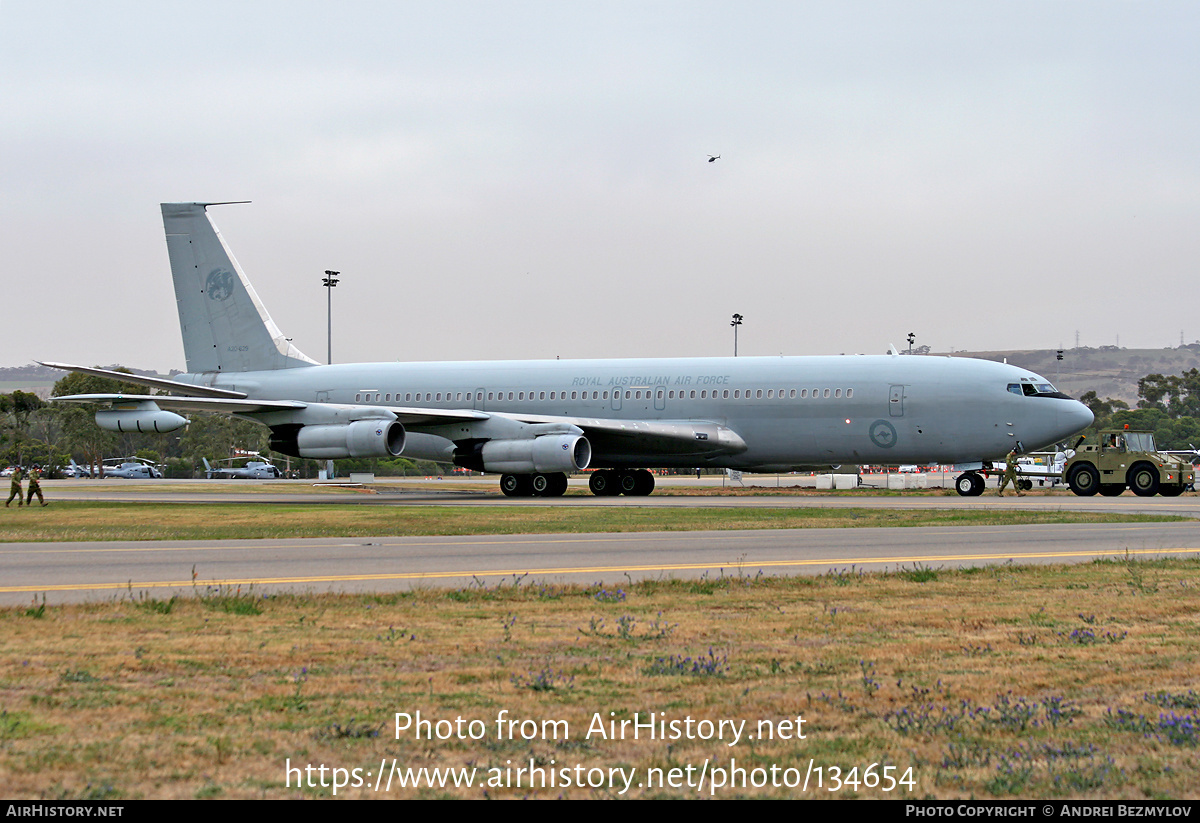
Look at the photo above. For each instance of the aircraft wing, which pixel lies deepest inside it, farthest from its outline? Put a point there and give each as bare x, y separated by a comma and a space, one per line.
414, 417
610, 437
211, 404
152, 382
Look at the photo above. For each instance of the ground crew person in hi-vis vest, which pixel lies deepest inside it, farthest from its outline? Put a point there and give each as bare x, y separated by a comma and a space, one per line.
16, 488
1010, 474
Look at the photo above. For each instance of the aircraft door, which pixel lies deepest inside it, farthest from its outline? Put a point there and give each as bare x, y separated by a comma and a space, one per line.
616, 399
896, 402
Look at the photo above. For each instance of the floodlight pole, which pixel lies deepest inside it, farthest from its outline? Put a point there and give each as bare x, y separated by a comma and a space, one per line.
737, 321
329, 282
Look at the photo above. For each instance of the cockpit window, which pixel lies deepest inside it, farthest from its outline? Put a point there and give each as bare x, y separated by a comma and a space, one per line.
1030, 389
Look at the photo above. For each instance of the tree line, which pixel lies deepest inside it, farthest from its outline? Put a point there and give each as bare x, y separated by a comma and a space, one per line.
1168, 405
52, 434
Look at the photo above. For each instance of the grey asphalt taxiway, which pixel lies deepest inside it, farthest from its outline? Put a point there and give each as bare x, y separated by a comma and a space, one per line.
68, 572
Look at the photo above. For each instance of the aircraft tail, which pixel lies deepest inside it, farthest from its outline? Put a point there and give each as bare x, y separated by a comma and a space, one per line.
225, 326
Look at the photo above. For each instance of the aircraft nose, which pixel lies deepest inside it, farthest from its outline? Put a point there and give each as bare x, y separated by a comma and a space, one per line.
1075, 417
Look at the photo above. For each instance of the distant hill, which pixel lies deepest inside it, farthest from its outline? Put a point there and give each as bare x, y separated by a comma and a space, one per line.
1109, 371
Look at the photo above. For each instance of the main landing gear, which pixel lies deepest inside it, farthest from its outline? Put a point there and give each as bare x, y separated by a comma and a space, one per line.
533, 485
611, 482
605, 483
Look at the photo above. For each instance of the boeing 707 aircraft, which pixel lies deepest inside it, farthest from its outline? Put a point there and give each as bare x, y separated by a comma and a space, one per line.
533, 422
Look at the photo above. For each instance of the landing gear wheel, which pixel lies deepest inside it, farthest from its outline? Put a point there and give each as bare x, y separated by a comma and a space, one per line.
1170, 491
969, 484
604, 483
643, 483
516, 485
1084, 480
628, 483
1024, 485
1112, 489
637, 483
1143, 479
539, 483
556, 485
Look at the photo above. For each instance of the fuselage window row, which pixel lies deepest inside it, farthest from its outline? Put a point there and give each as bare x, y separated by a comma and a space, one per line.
702, 394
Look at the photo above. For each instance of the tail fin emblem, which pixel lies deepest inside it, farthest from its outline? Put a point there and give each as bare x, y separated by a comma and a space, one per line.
219, 284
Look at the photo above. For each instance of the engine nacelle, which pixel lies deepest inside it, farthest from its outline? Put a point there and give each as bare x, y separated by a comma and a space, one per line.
144, 416
362, 438
549, 453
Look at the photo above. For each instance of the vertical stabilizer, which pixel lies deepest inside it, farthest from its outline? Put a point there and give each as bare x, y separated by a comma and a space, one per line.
225, 326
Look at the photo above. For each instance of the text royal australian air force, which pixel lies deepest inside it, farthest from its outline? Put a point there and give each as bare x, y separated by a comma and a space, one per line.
654, 380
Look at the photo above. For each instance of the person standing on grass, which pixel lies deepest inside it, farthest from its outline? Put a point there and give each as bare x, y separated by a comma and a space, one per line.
16, 488
35, 487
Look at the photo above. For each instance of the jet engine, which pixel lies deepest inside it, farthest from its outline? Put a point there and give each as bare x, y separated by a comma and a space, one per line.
362, 438
549, 453
144, 416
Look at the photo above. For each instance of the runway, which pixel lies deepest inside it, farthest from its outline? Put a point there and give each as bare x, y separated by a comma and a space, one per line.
673, 492
73, 572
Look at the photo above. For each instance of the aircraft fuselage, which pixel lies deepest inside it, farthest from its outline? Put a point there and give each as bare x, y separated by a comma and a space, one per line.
789, 411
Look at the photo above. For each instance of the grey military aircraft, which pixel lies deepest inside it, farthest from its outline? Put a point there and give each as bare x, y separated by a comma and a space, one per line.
533, 422
253, 470
131, 468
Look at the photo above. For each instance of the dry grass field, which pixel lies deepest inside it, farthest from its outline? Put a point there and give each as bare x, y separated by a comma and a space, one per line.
1030, 682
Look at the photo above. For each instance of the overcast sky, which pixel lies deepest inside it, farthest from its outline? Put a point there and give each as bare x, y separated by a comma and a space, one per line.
524, 180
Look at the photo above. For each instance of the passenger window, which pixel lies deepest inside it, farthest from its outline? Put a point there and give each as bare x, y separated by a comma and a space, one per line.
849, 392
825, 393
793, 393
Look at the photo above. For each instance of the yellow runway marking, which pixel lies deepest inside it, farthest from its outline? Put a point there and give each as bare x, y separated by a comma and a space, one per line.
520, 540
353, 578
